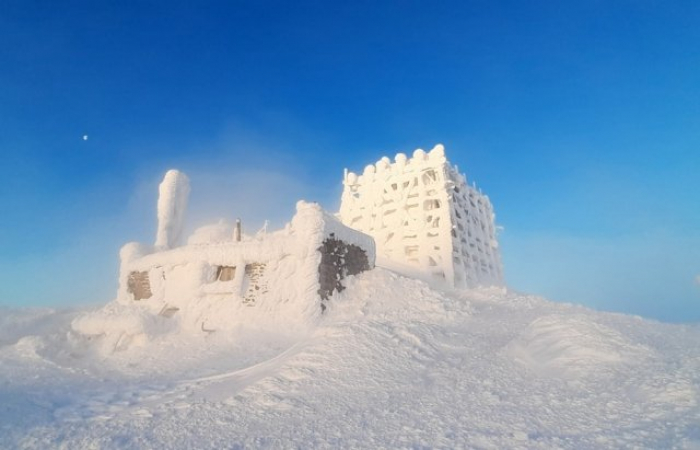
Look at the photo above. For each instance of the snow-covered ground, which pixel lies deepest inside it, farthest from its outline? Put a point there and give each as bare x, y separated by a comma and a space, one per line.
393, 363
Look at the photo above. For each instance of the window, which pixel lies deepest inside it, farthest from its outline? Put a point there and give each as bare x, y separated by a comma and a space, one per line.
139, 285
225, 273
429, 177
431, 204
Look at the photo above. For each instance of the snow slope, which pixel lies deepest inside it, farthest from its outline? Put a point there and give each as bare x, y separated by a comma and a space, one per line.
393, 364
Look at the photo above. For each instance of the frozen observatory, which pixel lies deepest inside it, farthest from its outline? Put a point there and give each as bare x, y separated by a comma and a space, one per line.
425, 218
415, 215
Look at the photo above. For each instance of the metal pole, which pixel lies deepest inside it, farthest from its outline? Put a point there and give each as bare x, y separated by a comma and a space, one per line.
237, 231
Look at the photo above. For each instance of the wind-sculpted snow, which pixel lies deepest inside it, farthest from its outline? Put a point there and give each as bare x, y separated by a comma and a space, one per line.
573, 346
392, 364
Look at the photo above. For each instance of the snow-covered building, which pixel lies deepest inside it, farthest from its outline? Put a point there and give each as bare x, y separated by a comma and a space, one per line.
417, 215
305, 262
422, 213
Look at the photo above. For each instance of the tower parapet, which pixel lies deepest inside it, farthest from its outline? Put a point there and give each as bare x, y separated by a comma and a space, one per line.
422, 213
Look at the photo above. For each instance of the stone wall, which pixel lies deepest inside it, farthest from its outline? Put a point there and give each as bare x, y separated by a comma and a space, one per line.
338, 260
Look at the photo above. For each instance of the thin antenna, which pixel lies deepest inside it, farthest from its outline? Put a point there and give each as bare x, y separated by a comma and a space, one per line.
237, 231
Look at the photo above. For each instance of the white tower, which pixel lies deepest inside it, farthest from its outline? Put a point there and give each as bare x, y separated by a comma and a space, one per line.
421, 212
173, 194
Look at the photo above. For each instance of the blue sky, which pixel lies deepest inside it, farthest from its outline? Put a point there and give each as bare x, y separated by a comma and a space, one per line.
581, 120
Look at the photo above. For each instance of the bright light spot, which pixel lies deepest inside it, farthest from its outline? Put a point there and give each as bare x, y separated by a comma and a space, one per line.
85, 137
697, 280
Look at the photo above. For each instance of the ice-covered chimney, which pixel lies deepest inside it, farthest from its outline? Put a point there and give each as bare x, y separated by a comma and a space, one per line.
174, 192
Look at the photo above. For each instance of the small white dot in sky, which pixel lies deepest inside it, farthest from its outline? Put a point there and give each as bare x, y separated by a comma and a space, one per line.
85, 137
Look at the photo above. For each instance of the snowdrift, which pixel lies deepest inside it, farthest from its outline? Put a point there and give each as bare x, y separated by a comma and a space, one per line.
573, 346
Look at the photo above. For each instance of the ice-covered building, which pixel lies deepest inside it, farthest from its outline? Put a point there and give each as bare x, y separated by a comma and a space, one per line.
423, 214
305, 262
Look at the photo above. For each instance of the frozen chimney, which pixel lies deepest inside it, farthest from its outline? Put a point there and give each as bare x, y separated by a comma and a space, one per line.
174, 192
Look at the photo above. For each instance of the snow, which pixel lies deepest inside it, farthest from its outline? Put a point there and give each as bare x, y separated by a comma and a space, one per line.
217, 233
393, 363
275, 282
571, 345
174, 193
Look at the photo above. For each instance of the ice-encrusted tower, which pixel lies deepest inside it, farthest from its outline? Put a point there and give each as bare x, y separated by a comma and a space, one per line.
422, 213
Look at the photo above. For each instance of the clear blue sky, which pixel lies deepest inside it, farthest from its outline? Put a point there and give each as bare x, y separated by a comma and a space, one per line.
581, 120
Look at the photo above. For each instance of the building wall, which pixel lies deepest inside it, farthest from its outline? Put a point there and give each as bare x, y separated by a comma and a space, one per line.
287, 273
422, 213
476, 256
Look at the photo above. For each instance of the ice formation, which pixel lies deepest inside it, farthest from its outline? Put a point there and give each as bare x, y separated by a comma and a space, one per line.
422, 213
174, 191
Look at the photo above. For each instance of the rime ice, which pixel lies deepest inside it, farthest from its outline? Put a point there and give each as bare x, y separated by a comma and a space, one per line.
422, 213
220, 276
174, 191
417, 215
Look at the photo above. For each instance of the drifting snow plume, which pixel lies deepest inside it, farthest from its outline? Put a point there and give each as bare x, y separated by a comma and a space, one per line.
174, 192
219, 232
